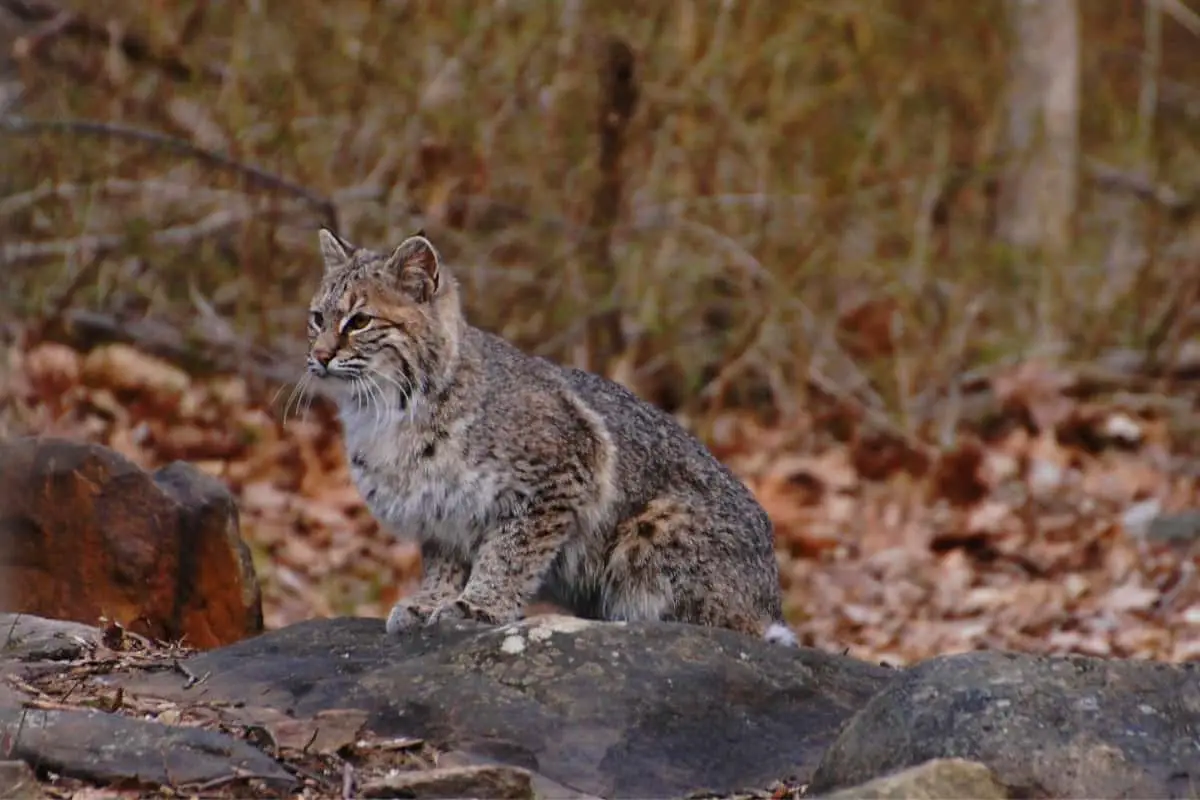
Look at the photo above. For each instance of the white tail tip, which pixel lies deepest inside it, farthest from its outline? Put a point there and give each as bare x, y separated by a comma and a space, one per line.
778, 633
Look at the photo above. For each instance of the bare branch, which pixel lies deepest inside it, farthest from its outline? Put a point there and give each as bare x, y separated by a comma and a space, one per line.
157, 191
1182, 14
94, 245
255, 176
1148, 91
1106, 176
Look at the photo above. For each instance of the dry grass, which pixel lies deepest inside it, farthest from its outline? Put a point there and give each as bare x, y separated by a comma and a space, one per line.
805, 185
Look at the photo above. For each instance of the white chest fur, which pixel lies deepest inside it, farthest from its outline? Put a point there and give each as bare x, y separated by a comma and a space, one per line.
424, 492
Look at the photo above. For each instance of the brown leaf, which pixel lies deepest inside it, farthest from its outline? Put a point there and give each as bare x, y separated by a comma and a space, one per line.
866, 327
1131, 596
124, 369
879, 456
957, 475
52, 370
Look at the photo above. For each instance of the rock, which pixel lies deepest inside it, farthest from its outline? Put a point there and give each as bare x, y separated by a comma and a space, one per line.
940, 779
543, 787
1181, 529
1046, 726
487, 782
608, 709
17, 782
28, 638
85, 534
107, 748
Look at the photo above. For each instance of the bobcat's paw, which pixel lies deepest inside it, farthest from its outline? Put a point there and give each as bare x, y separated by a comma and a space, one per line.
406, 616
462, 609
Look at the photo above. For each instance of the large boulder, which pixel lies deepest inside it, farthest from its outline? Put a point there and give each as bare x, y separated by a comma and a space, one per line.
1045, 726
85, 534
606, 709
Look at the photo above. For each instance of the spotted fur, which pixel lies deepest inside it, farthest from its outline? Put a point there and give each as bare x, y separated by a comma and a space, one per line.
520, 477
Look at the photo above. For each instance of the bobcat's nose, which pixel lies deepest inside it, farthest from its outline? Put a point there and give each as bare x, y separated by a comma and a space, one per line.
321, 357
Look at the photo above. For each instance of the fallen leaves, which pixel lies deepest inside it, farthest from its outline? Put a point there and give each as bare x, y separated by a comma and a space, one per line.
1070, 528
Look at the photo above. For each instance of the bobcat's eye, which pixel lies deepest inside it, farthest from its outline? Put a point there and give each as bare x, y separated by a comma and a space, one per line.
356, 322
316, 319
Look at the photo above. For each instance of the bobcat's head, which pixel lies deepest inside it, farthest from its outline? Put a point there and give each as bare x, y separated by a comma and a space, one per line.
382, 327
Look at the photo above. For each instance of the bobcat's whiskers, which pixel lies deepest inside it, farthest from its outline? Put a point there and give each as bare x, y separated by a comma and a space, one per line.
407, 396
299, 399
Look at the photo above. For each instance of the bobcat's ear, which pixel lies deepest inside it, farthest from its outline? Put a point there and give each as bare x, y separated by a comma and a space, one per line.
335, 250
417, 266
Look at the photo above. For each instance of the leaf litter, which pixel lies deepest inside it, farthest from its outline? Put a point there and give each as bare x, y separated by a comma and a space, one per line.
1063, 529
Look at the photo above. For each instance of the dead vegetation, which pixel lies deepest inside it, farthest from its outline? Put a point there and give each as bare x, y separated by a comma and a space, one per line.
777, 219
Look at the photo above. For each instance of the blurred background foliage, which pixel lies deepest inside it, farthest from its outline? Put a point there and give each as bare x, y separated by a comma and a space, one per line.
720, 203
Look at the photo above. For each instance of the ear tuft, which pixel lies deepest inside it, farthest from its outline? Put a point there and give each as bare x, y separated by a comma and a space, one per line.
417, 265
335, 250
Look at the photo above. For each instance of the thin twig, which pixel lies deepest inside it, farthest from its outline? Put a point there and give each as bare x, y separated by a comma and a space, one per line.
192, 678
16, 739
255, 176
1151, 66
71, 689
1182, 14
311, 739
224, 780
151, 190
11, 631
1106, 176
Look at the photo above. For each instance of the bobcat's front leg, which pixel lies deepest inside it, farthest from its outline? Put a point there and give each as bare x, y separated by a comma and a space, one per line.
443, 576
508, 568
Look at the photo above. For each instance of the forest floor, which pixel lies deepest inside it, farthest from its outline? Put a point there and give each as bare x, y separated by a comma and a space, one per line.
1066, 524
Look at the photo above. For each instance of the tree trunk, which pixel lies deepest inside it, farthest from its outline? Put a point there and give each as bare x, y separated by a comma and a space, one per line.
1039, 186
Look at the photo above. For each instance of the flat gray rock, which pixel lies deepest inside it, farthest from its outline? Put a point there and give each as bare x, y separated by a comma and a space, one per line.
28, 638
608, 709
1045, 726
109, 748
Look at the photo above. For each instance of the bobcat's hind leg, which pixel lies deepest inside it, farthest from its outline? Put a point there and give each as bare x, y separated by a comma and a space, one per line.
677, 561
638, 578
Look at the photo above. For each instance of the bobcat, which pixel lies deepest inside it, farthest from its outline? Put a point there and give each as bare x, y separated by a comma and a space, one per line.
520, 478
